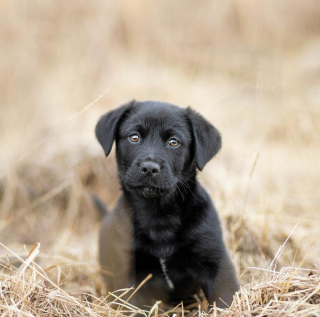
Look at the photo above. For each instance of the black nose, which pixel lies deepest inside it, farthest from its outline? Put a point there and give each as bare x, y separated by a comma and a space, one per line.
150, 168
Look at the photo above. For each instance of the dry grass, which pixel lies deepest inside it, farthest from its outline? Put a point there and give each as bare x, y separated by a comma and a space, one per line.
29, 291
251, 67
289, 292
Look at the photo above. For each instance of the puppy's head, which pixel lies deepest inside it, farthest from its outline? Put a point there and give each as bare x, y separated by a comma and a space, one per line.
158, 145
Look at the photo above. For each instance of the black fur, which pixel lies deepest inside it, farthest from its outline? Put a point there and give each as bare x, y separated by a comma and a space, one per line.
173, 219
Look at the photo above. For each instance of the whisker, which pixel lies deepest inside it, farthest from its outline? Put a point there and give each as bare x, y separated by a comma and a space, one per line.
180, 192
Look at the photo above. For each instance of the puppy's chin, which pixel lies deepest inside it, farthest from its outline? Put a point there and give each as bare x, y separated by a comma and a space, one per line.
147, 189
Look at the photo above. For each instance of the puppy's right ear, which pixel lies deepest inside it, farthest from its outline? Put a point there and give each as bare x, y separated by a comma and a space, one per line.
108, 124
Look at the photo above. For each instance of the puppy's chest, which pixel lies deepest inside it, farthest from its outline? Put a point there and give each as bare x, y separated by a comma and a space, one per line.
158, 235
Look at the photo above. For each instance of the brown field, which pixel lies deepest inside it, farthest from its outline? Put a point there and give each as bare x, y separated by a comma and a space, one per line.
251, 67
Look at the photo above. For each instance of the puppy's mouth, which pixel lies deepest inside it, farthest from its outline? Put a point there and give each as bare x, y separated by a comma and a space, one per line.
148, 191
152, 192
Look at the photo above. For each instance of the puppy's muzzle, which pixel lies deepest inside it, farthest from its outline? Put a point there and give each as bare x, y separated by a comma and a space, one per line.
150, 169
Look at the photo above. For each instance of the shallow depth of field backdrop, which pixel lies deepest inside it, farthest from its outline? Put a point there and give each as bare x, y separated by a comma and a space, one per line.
251, 67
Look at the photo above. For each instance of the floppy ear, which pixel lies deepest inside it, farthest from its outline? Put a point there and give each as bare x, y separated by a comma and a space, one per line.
207, 139
108, 124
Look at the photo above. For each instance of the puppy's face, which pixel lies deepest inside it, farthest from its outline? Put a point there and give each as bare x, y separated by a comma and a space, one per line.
154, 149
158, 145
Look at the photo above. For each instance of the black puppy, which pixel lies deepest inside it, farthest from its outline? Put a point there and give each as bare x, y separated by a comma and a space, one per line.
165, 223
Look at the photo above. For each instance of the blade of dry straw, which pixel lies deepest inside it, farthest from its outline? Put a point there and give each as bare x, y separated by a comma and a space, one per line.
135, 291
31, 256
249, 182
280, 250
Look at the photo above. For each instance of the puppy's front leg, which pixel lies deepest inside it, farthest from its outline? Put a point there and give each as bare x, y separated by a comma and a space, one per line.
207, 287
223, 286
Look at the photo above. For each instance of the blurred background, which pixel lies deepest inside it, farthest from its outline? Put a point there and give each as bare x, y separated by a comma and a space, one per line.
251, 67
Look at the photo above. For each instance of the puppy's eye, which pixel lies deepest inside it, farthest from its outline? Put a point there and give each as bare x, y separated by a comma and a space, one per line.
134, 138
174, 142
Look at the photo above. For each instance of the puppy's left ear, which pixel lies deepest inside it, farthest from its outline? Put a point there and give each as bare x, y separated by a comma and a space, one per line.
107, 126
207, 139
